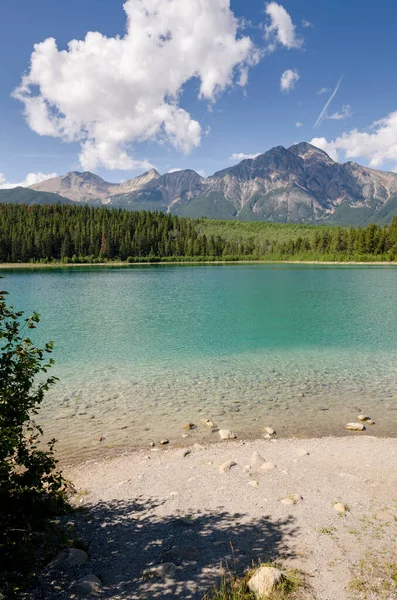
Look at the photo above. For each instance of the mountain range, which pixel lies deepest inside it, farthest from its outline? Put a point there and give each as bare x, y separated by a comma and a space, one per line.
301, 184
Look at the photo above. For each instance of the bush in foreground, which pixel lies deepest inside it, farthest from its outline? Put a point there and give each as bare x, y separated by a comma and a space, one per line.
31, 487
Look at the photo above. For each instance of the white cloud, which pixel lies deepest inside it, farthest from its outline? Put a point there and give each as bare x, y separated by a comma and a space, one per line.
109, 93
378, 145
288, 80
323, 113
298, 124
279, 29
344, 114
201, 172
30, 179
306, 23
239, 156
174, 170
324, 90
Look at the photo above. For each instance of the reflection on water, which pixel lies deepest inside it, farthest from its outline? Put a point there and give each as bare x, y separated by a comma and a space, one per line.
142, 351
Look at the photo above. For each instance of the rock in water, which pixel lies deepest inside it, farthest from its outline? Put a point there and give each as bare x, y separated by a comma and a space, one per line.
270, 431
363, 418
355, 427
264, 581
225, 434
225, 468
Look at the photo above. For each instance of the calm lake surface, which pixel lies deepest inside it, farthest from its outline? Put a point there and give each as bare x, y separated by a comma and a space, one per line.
140, 351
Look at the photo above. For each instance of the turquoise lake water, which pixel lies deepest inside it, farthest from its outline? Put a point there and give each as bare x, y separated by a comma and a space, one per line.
142, 350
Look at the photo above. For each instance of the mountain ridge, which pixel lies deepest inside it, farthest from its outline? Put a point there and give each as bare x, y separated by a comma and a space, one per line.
299, 184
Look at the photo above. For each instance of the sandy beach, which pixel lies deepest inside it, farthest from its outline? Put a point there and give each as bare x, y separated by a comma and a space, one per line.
198, 511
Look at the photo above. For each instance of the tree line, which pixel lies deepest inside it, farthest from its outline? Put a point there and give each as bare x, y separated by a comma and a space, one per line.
76, 234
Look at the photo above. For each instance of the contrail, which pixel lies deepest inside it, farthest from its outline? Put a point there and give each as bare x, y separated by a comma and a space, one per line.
332, 96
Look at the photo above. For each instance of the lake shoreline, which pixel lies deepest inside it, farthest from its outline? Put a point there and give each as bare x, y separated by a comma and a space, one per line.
236, 502
6, 266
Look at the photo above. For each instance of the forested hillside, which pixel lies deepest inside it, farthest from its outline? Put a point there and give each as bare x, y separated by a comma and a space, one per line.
73, 234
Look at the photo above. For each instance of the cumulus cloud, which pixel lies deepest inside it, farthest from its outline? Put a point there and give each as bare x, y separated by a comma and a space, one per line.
377, 145
174, 170
109, 93
279, 29
306, 23
30, 179
344, 114
298, 124
239, 156
288, 80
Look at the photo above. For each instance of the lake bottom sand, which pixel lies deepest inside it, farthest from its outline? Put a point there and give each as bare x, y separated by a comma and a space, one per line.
161, 506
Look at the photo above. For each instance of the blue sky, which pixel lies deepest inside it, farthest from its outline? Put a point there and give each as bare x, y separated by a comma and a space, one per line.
331, 39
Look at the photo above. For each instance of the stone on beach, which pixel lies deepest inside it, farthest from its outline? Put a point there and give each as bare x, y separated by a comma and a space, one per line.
226, 434
164, 442
302, 452
166, 570
340, 507
207, 423
253, 483
88, 584
264, 581
72, 557
184, 452
355, 427
189, 426
226, 466
268, 466
270, 431
256, 459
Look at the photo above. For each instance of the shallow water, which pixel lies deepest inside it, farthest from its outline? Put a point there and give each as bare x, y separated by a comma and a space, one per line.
140, 351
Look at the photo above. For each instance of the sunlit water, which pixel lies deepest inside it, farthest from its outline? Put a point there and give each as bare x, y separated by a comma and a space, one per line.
140, 351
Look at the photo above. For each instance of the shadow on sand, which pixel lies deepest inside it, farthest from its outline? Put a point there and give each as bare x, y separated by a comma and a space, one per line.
125, 538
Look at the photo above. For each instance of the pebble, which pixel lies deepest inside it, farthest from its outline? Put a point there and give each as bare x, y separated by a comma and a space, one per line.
287, 501
302, 452
189, 426
225, 434
184, 452
363, 418
340, 507
185, 435
355, 427
164, 442
225, 468
253, 483
207, 423
268, 466
270, 431
256, 459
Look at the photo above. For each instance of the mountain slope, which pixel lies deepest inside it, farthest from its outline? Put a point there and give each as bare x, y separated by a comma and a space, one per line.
20, 195
300, 184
